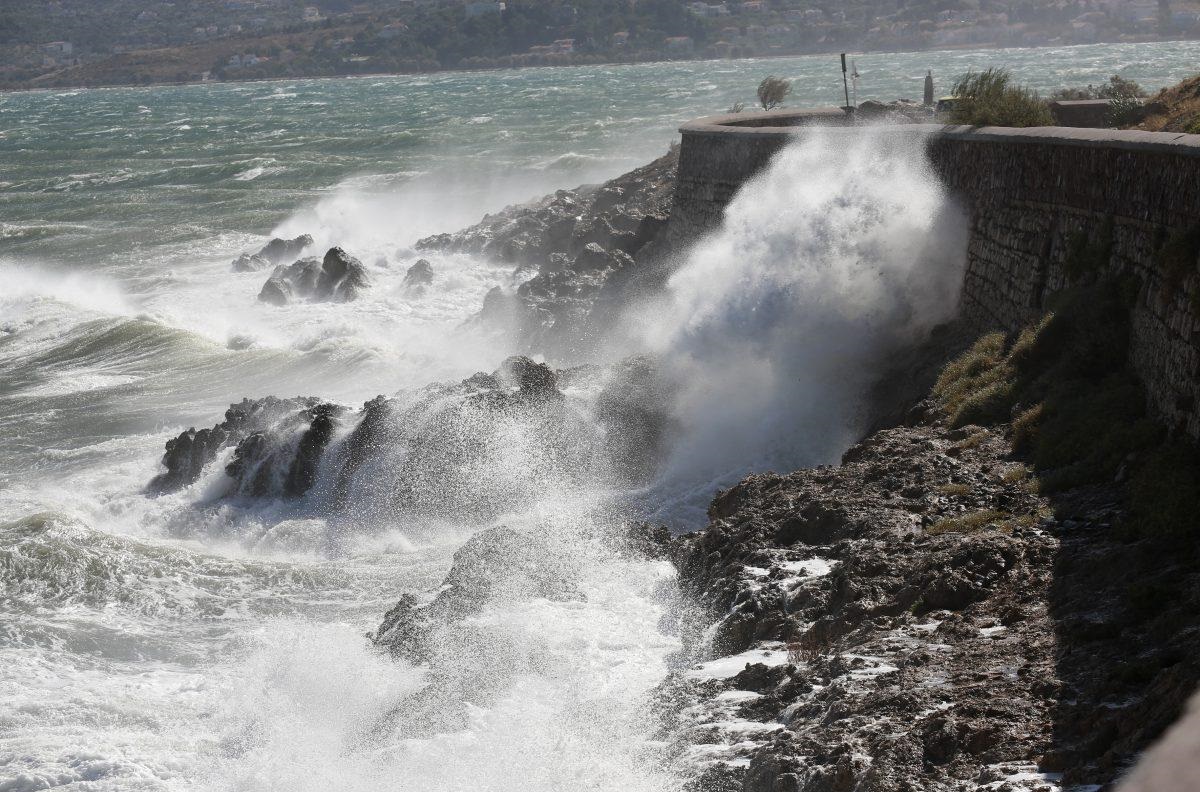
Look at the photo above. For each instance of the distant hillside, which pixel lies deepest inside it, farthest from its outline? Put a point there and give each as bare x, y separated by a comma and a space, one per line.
105, 42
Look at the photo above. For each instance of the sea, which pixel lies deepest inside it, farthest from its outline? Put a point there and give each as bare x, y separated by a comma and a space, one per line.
176, 643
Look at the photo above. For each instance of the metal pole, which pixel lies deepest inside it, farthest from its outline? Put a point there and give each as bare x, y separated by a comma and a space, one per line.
845, 84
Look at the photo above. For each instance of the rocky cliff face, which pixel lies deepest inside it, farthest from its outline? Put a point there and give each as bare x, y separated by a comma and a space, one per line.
941, 611
882, 625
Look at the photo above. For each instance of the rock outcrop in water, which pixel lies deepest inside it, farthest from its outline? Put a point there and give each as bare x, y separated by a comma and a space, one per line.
418, 277
275, 252
497, 561
470, 450
192, 451
338, 277
582, 245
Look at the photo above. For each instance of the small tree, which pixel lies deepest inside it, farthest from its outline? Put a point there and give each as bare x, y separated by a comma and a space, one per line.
989, 98
772, 91
1120, 88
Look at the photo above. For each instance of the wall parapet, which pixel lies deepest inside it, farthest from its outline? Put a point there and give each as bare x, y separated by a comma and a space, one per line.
1035, 198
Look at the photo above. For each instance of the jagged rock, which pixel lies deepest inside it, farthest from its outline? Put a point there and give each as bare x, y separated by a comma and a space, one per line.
270, 462
440, 452
843, 568
339, 277
287, 284
187, 455
342, 277
418, 276
377, 431
527, 376
275, 252
250, 263
583, 244
594, 257
498, 562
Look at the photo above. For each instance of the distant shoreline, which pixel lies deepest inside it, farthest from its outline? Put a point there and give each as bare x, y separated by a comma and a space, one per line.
477, 69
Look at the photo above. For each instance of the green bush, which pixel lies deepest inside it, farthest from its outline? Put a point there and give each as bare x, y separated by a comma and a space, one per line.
1123, 111
989, 98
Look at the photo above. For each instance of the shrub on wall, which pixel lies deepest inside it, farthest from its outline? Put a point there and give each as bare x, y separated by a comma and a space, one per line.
989, 98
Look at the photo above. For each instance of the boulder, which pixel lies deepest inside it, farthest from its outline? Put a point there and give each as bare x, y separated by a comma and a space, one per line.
277, 251
188, 454
418, 276
342, 277
250, 263
528, 377
339, 277
500, 562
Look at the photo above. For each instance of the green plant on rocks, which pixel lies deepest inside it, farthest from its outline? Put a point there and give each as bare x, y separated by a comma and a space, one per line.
989, 98
968, 523
1076, 410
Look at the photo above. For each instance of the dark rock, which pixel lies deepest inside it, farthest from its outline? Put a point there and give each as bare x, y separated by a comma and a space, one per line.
579, 290
250, 263
522, 373
869, 692
940, 739
339, 277
270, 463
342, 278
277, 251
188, 454
498, 562
277, 290
418, 276
759, 678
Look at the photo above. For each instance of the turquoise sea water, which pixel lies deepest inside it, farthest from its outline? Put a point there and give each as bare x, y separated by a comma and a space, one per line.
139, 638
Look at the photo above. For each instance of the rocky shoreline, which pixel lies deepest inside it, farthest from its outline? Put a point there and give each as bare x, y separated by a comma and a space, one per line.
924, 616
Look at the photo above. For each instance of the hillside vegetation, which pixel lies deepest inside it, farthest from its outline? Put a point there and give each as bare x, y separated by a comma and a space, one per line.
1175, 109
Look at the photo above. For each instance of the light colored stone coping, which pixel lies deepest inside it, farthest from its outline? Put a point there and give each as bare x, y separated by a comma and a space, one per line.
786, 123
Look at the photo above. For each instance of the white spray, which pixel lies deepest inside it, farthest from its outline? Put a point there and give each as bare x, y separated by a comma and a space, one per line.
843, 251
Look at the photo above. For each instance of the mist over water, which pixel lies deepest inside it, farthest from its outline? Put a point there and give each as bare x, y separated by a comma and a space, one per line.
185, 643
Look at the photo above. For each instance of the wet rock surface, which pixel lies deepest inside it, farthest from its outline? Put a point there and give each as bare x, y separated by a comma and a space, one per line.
583, 247
338, 277
919, 618
277, 251
188, 454
470, 450
418, 277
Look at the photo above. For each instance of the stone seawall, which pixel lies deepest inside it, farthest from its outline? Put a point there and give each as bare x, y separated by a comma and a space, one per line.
1046, 206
